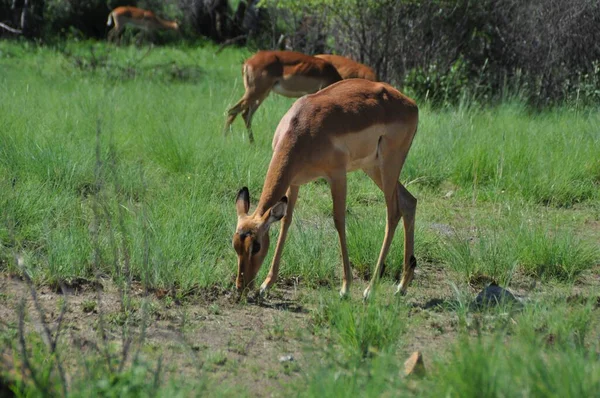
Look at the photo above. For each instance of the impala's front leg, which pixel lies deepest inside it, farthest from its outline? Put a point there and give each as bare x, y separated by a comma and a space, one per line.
292, 195
338, 193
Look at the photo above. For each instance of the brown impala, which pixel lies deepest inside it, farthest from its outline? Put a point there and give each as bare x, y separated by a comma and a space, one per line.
349, 69
353, 124
288, 73
142, 19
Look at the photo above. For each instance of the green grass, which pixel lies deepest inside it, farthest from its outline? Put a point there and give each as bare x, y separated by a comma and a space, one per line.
545, 350
167, 177
113, 163
546, 252
360, 331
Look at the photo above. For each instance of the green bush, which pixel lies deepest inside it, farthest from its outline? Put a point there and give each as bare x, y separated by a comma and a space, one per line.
439, 86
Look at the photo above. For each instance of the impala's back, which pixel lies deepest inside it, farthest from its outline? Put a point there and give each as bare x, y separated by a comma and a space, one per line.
348, 68
351, 119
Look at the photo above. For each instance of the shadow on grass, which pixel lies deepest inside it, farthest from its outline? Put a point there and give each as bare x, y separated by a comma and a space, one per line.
279, 305
438, 304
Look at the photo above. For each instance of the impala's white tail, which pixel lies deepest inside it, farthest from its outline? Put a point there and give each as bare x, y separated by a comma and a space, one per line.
248, 76
109, 22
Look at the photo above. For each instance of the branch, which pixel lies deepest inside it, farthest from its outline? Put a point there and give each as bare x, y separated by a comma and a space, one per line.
12, 30
50, 342
230, 42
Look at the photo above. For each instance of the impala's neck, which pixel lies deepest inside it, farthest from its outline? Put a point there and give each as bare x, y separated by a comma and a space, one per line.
276, 183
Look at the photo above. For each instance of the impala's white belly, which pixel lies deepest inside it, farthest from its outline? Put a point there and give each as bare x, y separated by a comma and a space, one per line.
360, 147
143, 24
296, 86
358, 150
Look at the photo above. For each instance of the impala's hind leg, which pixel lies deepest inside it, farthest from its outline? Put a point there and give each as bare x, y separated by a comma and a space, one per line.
248, 113
232, 113
399, 203
246, 106
392, 220
338, 185
408, 208
114, 35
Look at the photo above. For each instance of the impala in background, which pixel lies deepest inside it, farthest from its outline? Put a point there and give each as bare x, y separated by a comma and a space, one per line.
348, 68
350, 125
288, 73
141, 19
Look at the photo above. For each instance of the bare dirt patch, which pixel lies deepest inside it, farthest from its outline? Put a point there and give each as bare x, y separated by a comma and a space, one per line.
234, 343
256, 347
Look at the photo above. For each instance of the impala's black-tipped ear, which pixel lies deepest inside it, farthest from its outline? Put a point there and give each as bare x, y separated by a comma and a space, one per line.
278, 211
242, 202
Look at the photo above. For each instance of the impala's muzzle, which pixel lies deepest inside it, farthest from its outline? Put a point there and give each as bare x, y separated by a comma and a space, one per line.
246, 274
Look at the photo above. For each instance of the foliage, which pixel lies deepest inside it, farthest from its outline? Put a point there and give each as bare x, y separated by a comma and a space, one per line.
440, 87
542, 51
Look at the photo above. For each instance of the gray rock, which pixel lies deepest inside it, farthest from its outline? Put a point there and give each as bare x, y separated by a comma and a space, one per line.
493, 295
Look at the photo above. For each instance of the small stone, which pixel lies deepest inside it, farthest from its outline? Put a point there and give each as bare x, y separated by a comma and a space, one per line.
414, 365
286, 358
449, 194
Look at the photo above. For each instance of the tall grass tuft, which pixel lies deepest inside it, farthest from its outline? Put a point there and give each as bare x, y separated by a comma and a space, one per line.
486, 255
496, 252
553, 253
360, 331
488, 366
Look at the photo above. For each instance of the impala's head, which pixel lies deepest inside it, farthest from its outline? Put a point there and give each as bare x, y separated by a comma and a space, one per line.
251, 237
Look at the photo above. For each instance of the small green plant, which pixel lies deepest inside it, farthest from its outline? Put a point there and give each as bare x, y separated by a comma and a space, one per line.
88, 306
276, 332
237, 346
216, 359
290, 367
214, 309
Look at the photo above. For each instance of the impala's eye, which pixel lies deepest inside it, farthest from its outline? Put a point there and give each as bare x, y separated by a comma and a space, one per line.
255, 247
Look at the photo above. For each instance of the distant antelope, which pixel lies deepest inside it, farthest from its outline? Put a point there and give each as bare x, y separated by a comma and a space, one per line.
288, 73
353, 124
142, 19
348, 68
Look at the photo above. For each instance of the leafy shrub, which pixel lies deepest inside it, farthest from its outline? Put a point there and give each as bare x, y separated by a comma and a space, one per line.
438, 86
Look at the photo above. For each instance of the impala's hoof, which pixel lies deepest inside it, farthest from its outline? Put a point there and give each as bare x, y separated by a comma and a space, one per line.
236, 296
400, 291
343, 293
263, 291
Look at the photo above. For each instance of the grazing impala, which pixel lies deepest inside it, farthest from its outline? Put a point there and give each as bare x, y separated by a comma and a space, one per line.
353, 124
142, 19
349, 69
288, 73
